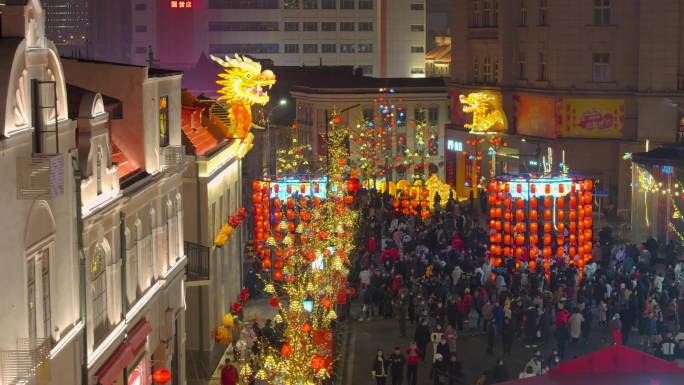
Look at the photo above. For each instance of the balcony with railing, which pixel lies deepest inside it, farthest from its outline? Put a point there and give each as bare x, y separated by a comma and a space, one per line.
198, 261
28, 363
172, 156
40, 176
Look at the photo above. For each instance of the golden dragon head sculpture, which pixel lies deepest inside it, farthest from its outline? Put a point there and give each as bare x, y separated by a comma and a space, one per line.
487, 110
243, 84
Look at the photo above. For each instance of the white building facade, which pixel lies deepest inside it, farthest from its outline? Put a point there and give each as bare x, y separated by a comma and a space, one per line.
93, 258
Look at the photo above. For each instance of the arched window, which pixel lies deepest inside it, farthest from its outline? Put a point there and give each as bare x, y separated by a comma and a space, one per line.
98, 291
39, 310
98, 170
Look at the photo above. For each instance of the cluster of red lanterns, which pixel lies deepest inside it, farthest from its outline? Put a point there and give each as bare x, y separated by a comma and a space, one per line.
413, 202
536, 226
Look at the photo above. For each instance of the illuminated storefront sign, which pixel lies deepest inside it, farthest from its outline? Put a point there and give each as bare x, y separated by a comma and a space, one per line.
180, 4
454, 145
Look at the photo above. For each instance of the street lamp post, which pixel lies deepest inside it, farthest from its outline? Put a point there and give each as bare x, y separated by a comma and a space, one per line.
267, 169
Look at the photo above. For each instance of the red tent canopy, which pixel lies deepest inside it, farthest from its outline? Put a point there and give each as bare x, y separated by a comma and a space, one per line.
617, 364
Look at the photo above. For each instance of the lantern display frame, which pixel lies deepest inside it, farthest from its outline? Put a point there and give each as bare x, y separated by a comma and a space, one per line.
534, 218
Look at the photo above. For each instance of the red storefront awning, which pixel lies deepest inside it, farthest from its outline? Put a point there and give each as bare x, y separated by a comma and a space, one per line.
112, 369
138, 335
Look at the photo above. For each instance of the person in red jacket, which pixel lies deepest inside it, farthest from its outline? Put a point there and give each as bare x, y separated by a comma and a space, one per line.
412, 359
229, 374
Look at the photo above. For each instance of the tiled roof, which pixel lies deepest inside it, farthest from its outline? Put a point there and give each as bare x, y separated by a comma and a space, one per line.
125, 166
440, 54
196, 137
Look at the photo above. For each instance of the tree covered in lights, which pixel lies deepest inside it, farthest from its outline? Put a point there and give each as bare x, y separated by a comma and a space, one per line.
311, 244
294, 158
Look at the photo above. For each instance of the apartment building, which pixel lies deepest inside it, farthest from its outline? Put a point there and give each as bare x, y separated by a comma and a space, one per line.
595, 79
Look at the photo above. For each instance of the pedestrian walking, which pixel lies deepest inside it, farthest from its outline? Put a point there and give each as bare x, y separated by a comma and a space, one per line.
380, 366
229, 374
413, 355
397, 363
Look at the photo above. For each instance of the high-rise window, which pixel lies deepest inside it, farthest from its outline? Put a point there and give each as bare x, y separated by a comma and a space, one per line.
346, 4
366, 70
329, 4
476, 70
487, 69
310, 26
417, 49
140, 28
417, 7
543, 9
347, 26
476, 15
328, 26
291, 48
365, 26
601, 12
310, 4
417, 28
600, 68
291, 26
328, 48
523, 12
291, 4
231, 49
365, 4
521, 66
347, 48
163, 121
365, 48
542, 67
243, 26
486, 13
249, 4
310, 48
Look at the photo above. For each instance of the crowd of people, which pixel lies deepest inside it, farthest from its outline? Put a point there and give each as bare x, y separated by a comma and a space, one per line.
433, 276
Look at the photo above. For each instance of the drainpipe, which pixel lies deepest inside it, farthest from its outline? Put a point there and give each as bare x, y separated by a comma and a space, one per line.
122, 243
81, 268
200, 241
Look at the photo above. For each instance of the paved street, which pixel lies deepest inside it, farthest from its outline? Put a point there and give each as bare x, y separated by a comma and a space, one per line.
368, 336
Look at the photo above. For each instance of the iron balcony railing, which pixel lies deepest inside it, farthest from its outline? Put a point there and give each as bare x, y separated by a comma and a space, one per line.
198, 261
29, 363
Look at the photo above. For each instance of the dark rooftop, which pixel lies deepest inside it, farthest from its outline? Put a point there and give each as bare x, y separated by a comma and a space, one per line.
151, 72
333, 82
672, 155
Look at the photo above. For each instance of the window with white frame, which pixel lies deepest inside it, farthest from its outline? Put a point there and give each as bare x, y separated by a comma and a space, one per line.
521, 66
38, 285
543, 9
98, 293
476, 16
98, 170
600, 68
601, 12
486, 13
487, 69
542, 66
476, 70
495, 13
523, 12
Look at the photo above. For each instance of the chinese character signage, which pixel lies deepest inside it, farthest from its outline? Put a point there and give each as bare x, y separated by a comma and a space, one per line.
454, 145
590, 118
180, 3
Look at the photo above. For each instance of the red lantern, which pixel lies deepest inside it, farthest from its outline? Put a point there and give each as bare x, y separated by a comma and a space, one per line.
520, 215
547, 252
518, 188
547, 227
317, 363
533, 189
572, 251
534, 239
534, 252
588, 184
547, 188
274, 302
533, 202
561, 188
520, 240
547, 202
278, 275
520, 203
560, 214
306, 327
161, 376
286, 350
547, 215
534, 215
547, 240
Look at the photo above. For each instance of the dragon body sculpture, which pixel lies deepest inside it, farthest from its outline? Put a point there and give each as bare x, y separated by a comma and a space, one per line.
487, 110
243, 84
